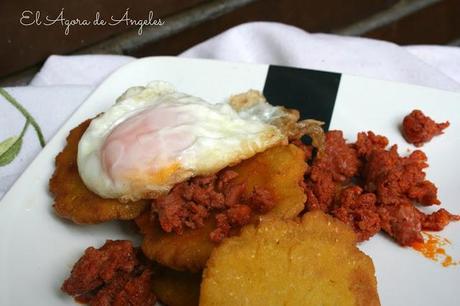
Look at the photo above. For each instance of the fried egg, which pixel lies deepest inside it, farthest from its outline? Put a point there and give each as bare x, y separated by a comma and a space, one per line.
154, 137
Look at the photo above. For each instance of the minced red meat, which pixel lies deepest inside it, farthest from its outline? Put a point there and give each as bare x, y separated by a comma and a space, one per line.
190, 203
358, 209
394, 178
114, 274
419, 129
402, 222
437, 220
337, 163
367, 142
371, 188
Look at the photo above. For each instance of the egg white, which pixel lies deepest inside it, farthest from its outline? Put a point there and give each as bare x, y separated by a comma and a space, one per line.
218, 135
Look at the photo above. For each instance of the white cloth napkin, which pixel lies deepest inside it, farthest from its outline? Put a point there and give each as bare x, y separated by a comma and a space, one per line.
64, 81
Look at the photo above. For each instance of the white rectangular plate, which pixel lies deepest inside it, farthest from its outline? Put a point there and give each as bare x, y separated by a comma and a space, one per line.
38, 249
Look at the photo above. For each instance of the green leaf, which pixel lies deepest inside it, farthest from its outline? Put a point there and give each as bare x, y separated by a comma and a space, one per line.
5, 144
9, 149
25, 113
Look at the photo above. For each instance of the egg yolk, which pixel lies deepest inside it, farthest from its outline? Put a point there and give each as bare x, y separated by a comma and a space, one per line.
147, 142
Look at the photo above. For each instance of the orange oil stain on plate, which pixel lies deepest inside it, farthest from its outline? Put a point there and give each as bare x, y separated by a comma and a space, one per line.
433, 248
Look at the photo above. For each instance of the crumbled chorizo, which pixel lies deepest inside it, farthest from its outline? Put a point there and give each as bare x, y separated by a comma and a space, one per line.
261, 200
359, 211
372, 188
222, 228
191, 202
126, 290
99, 266
419, 129
111, 275
437, 220
402, 222
321, 190
338, 158
399, 183
337, 163
368, 142
239, 214
394, 178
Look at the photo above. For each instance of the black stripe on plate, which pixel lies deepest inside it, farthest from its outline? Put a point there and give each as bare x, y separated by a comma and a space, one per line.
312, 92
